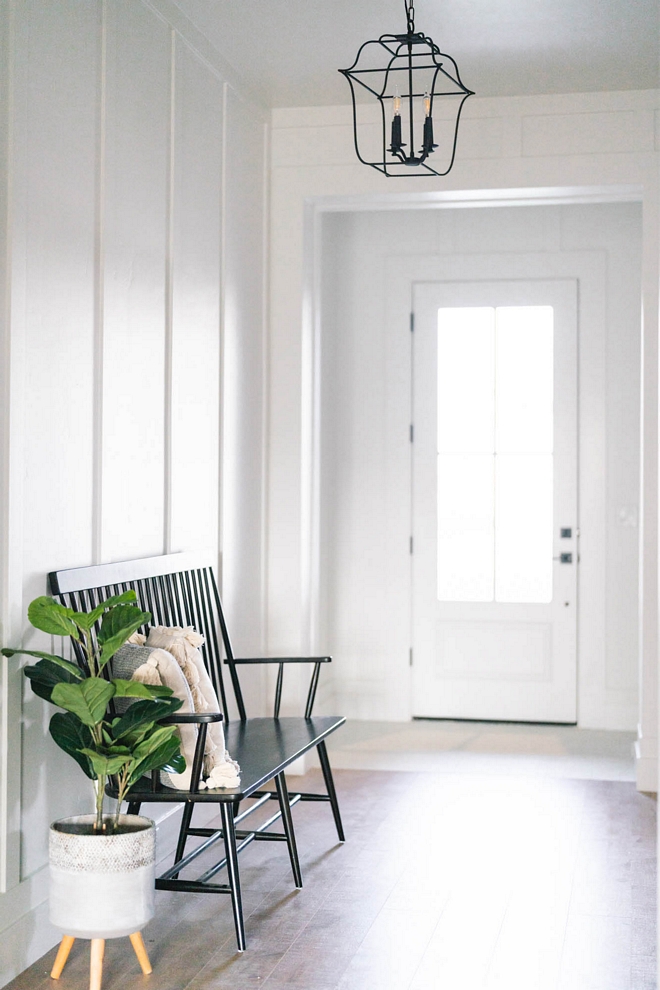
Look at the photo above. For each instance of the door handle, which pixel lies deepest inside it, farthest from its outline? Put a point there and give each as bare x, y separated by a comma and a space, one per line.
564, 558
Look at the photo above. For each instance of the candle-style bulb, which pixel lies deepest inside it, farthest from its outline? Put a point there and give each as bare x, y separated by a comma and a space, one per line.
427, 104
396, 145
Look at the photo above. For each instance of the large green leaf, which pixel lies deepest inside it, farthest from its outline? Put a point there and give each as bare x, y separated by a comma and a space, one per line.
116, 750
48, 615
134, 738
160, 735
143, 713
117, 625
176, 764
45, 675
106, 765
88, 700
157, 758
85, 620
72, 668
73, 737
135, 689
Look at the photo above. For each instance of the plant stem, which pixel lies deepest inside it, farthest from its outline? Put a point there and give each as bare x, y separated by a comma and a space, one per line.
100, 793
97, 735
121, 791
89, 650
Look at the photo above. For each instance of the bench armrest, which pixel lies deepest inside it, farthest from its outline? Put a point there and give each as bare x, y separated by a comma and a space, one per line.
194, 717
280, 660
201, 719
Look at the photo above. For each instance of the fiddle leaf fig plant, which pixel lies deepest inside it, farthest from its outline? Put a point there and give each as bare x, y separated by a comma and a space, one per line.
103, 744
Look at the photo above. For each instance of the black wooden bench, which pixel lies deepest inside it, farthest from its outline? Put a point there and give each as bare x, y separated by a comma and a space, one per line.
178, 592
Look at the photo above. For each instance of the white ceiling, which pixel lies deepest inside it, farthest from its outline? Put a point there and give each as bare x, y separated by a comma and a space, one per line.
289, 51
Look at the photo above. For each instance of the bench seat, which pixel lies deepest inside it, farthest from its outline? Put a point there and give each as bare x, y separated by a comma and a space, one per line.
262, 747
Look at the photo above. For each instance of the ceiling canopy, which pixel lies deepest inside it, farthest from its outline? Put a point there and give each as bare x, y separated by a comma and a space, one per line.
288, 51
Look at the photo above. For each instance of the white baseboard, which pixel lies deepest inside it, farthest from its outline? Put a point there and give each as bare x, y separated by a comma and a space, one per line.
299, 767
646, 764
25, 941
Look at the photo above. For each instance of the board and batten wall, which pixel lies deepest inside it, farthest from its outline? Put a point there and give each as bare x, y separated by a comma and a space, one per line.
556, 150
132, 350
371, 261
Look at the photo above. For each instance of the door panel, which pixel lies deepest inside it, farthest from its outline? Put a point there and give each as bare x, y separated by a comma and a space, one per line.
494, 486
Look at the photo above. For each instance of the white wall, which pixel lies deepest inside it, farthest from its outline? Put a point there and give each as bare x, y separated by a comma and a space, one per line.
370, 261
132, 196
574, 148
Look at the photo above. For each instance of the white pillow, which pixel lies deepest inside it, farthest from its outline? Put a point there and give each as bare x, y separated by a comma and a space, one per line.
155, 666
183, 644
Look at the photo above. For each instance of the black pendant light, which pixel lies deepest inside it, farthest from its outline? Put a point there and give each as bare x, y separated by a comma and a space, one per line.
420, 95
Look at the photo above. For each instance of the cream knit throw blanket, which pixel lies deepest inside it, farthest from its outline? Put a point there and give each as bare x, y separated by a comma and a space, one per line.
183, 644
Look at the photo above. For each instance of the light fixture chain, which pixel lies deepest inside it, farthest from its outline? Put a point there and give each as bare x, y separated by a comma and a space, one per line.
410, 15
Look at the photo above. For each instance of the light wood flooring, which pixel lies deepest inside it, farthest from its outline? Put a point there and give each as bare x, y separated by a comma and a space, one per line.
447, 881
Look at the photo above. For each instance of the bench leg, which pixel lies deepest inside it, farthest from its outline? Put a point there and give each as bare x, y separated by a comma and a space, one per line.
183, 833
287, 822
133, 808
229, 836
330, 785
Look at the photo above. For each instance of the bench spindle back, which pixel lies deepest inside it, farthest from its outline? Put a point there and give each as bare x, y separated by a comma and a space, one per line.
174, 592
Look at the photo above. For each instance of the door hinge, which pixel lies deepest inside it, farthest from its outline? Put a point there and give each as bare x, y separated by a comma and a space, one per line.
410, 657
412, 433
412, 322
411, 544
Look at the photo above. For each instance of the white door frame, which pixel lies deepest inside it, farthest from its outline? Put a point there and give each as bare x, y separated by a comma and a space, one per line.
546, 689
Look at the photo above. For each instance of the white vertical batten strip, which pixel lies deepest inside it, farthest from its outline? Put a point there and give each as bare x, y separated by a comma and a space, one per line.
169, 302
306, 413
99, 291
222, 279
6, 93
265, 392
315, 438
6, 88
411, 487
14, 312
17, 193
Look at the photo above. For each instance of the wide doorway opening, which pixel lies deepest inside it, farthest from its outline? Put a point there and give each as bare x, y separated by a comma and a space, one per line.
450, 600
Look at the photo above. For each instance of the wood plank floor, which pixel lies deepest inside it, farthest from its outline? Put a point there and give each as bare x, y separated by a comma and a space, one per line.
453, 881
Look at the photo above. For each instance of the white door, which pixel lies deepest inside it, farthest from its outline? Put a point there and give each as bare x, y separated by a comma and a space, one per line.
495, 500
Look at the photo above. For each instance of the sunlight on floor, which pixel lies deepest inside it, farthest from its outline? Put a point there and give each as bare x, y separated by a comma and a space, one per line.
441, 746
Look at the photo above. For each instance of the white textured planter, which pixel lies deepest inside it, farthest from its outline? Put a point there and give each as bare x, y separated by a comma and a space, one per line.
102, 886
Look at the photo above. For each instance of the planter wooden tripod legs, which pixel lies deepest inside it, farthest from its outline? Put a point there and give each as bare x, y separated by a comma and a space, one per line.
96, 965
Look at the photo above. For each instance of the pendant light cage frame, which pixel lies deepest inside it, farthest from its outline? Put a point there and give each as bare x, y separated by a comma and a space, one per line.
406, 73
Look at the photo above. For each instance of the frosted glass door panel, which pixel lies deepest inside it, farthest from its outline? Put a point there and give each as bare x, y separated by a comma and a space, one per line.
523, 530
523, 373
495, 452
466, 380
466, 513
